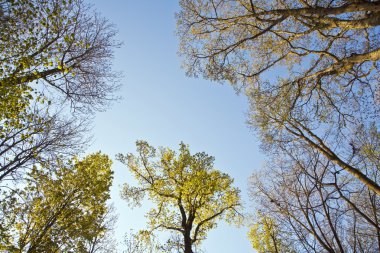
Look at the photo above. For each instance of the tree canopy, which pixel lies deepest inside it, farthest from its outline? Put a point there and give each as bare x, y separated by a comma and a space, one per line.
310, 70
59, 210
64, 45
189, 194
325, 56
55, 69
241, 40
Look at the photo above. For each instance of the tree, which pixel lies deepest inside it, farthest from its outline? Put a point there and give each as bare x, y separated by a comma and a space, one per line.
55, 71
315, 205
265, 236
40, 138
104, 242
141, 242
60, 210
240, 40
189, 193
325, 55
63, 45
55, 55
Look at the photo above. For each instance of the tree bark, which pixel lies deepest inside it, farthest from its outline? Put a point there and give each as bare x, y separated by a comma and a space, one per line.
188, 242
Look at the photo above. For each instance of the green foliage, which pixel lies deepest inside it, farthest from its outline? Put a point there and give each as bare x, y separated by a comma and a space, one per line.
22, 55
53, 55
57, 43
61, 208
265, 236
190, 195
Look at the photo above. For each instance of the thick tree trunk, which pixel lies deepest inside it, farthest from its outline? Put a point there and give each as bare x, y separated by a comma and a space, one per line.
188, 243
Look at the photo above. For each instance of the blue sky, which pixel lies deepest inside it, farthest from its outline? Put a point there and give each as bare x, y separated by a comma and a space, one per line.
164, 107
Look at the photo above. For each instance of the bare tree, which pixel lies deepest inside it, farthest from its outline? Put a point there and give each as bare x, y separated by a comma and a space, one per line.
40, 139
317, 206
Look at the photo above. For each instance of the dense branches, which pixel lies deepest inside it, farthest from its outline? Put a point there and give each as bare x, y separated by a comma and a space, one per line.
40, 139
311, 72
64, 210
240, 40
55, 70
64, 45
317, 206
329, 91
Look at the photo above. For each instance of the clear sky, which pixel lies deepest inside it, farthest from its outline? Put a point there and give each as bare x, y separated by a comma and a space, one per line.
164, 107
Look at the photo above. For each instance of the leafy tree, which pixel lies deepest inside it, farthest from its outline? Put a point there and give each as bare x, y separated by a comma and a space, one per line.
310, 69
104, 242
189, 193
62, 44
265, 236
55, 71
60, 210
54, 55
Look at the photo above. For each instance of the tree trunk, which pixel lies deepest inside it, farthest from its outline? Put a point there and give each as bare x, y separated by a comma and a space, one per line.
188, 243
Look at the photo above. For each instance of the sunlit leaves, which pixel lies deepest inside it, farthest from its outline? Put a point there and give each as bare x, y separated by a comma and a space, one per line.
62, 208
265, 235
55, 71
189, 194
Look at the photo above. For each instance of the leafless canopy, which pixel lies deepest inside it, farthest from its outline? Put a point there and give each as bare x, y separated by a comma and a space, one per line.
39, 141
318, 207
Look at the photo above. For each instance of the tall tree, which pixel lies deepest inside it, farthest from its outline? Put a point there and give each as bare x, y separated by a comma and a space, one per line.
317, 206
64, 45
55, 55
60, 210
189, 193
326, 58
